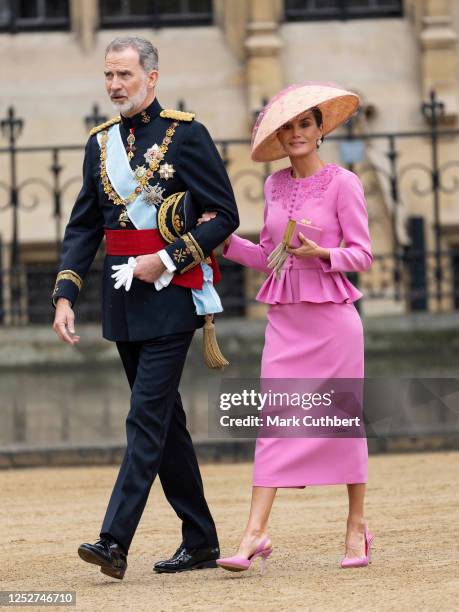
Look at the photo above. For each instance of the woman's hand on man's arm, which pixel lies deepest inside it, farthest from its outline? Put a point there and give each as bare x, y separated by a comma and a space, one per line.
207, 216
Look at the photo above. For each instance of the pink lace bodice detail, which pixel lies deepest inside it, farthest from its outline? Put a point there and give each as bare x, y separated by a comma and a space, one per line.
291, 192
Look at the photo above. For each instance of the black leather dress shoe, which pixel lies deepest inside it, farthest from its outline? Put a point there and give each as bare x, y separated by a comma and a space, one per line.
106, 553
188, 559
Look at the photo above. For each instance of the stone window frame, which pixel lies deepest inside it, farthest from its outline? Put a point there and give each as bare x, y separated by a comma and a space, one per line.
12, 21
343, 10
182, 17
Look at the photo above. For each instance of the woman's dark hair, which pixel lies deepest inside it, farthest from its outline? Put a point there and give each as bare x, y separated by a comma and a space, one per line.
315, 110
317, 113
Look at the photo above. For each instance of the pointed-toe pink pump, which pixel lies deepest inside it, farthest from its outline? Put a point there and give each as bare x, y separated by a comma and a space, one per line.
239, 564
348, 562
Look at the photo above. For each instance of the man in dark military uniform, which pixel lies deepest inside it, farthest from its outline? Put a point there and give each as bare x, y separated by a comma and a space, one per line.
132, 163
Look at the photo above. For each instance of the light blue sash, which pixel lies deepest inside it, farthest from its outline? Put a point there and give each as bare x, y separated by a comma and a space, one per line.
121, 175
143, 215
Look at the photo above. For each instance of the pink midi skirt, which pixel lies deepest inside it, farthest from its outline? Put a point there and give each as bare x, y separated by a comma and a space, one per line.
311, 340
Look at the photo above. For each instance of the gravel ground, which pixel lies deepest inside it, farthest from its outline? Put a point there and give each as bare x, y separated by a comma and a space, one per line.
412, 507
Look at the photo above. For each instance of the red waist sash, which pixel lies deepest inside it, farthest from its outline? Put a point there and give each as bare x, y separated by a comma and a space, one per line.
148, 241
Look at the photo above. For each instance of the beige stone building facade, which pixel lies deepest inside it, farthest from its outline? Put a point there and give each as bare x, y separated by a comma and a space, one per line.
223, 59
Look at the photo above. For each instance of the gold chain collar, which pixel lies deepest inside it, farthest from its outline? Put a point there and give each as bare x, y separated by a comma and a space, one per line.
141, 182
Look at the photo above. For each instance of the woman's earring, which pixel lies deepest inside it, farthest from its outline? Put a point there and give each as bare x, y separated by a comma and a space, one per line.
319, 141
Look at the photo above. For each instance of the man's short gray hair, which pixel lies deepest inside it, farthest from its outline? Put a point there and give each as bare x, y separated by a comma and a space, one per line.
148, 54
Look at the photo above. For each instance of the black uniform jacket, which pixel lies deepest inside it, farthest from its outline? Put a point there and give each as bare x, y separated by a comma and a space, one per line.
143, 312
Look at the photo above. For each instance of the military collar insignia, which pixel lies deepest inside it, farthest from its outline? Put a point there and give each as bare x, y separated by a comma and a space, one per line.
145, 117
142, 119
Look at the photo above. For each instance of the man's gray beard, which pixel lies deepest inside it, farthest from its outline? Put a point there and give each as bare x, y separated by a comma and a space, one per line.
134, 102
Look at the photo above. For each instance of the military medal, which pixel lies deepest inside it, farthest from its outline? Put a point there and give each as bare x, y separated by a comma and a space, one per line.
166, 171
140, 172
153, 153
123, 219
153, 194
131, 142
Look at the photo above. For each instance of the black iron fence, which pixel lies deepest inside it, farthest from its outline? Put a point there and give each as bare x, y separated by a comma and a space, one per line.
418, 274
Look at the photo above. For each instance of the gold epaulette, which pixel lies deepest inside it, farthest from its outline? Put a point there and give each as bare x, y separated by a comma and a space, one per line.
105, 125
169, 113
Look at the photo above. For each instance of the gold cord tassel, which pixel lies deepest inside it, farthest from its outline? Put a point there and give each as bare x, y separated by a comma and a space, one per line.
277, 258
213, 357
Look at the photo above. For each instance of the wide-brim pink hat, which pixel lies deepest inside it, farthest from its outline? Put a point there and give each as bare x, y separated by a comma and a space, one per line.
336, 104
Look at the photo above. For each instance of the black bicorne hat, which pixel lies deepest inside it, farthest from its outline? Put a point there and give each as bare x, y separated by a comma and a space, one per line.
177, 215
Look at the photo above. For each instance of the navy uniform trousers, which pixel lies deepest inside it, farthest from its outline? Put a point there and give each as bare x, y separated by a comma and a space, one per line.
158, 442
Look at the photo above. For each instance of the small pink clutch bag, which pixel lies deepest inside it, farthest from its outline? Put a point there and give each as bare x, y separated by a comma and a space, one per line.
293, 228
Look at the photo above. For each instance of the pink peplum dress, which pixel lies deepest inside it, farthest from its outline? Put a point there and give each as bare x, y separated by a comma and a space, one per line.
313, 328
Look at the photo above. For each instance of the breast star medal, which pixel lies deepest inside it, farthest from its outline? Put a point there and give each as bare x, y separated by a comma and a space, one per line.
166, 171
154, 153
153, 194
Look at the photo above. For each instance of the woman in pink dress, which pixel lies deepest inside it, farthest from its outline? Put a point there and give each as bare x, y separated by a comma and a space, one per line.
313, 328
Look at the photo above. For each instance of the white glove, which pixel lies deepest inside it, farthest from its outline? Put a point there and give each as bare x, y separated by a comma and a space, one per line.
124, 274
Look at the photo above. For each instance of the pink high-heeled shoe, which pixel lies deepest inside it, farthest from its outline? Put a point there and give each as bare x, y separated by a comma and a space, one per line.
360, 561
239, 564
